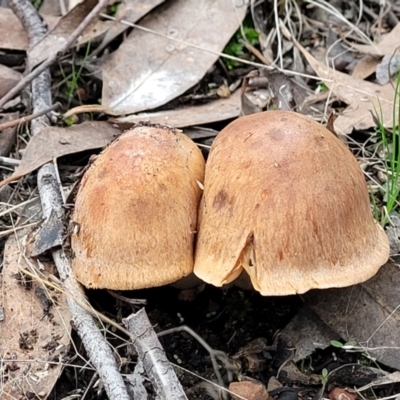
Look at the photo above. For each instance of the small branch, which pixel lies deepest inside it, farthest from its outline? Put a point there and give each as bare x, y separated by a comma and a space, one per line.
155, 363
98, 350
28, 118
214, 354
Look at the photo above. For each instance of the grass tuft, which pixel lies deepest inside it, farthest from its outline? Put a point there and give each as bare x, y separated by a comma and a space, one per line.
391, 145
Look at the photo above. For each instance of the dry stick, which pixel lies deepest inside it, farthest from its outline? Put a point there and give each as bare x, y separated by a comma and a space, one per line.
28, 118
99, 351
155, 363
40, 86
46, 64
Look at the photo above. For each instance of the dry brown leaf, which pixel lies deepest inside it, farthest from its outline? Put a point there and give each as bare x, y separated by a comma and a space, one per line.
58, 37
365, 67
367, 313
386, 47
364, 98
306, 333
218, 110
55, 142
129, 10
33, 343
8, 79
148, 70
7, 136
50, 7
12, 35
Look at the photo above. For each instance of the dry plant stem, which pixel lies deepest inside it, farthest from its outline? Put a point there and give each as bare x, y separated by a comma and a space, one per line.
12, 162
214, 354
46, 64
155, 363
99, 352
28, 118
40, 86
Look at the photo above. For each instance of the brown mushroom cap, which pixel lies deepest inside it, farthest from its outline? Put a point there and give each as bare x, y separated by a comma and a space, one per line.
136, 211
285, 200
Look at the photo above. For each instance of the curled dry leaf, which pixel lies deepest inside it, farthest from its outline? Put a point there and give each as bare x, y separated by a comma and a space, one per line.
148, 70
364, 99
387, 46
35, 332
218, 110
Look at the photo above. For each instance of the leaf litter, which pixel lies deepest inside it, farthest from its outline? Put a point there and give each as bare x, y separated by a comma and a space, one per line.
361, 96
364, 99
35, 332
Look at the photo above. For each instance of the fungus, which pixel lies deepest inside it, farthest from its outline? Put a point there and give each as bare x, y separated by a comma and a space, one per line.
136, 211
286, 201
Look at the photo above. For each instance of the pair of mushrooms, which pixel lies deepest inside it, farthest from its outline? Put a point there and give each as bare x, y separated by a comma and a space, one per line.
284, 200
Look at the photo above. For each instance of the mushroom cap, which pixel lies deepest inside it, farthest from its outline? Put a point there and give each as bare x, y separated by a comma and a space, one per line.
285, 200
136, 211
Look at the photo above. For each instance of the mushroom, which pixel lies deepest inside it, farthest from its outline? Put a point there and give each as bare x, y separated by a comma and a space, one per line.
136, 211
286, 201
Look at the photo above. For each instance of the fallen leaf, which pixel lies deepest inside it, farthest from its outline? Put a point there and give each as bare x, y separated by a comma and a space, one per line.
12, 34
8, 79
58, 37
367, 313
50, 7
394, 377
128, 10
365, 67
148, 70
9, 135
386, 47
33, 342
364, 98
306, 333
55, 142
213, 111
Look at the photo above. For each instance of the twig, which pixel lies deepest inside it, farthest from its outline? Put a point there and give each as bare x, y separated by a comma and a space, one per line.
28, 118
214, 354
98, 350
151, 353
40, 86
46, 64
12, 162
17, 228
